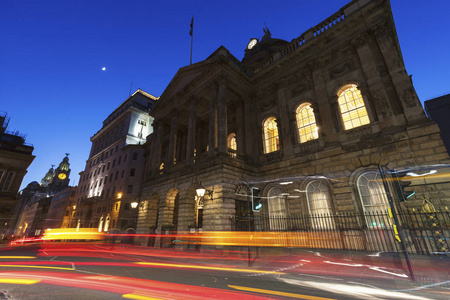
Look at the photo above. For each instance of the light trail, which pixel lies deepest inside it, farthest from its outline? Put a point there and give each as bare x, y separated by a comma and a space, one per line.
277, 293
207, 268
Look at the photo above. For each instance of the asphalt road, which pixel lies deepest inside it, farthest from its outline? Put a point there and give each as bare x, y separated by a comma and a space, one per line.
98, 271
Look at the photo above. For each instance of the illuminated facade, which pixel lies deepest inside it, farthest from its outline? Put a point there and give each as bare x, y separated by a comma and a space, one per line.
111, 180
322, 111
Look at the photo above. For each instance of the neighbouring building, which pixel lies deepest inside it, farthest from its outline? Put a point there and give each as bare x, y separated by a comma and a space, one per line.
15, 158
60, 205
438, 109
110, 185
33, 209
308, 123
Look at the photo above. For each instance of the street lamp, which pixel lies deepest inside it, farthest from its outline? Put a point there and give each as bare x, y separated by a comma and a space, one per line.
201, 191
134, 204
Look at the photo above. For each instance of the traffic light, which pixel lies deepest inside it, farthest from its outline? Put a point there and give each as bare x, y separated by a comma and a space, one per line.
400, 186
256, 199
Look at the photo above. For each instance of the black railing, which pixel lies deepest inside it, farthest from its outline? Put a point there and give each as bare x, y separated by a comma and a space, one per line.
421, 232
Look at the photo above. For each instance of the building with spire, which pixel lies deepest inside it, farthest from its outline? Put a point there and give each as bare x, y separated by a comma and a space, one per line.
36, 201
46, 179
60, 177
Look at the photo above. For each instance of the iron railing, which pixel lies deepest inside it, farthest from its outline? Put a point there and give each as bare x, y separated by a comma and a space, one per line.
420, 232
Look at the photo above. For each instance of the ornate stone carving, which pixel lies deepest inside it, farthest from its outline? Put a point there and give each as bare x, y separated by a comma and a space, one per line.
267, 97
341, 69
316, 64
409, 97
358, 132
274, 156
360, 40
303, 84
309, 147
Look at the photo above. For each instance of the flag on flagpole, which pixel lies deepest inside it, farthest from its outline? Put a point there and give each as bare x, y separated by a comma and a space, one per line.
191, 31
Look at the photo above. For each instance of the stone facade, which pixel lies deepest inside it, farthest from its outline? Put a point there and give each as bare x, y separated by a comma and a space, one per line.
15, 158
212, 126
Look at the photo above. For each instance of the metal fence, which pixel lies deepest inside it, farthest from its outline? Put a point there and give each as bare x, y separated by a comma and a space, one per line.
419, 232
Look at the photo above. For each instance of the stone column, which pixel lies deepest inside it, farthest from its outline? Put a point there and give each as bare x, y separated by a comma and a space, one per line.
286, 135
222, 118
212, 119
172, 139
157, 147
240, 129
375, 85
191, 132
326, 126
251, 136
405, 94
149, 158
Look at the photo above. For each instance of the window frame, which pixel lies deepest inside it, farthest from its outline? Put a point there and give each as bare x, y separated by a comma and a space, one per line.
271, 143
365, 106
314, 132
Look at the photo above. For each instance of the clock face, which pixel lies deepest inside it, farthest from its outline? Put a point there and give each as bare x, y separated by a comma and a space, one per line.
62, 176
252, 43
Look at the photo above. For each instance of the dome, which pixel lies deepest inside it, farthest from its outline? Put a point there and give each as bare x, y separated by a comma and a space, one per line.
263, 49
33, 184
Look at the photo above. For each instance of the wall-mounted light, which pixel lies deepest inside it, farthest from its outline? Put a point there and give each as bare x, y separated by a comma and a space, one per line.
201, 191
134, 204
119, 195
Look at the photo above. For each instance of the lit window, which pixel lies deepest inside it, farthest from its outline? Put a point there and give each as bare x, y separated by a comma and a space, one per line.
353, 109
231, 141
271, 138
231, 144
306, 123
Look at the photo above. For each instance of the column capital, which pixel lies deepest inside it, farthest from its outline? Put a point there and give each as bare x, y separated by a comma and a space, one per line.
193, 100
212, 84
280, 83
222, 79
175, 113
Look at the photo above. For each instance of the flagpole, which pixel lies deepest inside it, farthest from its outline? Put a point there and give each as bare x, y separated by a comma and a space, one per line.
191, 33
192, 41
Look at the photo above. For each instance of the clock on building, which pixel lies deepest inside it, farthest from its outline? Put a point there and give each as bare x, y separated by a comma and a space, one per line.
252, 43
62, 176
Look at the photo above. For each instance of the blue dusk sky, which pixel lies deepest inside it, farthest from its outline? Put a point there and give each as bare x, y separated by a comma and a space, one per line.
53, 88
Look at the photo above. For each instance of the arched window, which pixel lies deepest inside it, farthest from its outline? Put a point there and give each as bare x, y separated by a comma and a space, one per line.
100, 225
306, 123
276, 203
271, 138
106, 224
353, 109
372, 192
231, 144
319, 204
318, 196
231, 141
